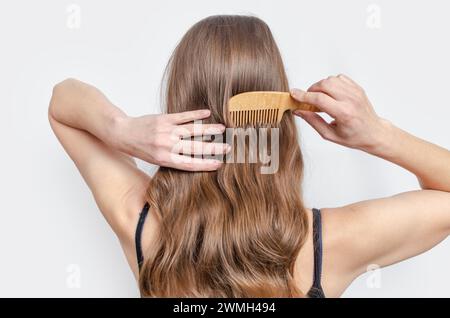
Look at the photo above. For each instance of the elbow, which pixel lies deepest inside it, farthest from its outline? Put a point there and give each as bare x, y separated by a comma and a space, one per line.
52, 103
58, 93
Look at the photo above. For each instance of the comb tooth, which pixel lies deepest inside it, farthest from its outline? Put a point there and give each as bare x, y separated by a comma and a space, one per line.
276, 115
247, 117
273, 116
265, 115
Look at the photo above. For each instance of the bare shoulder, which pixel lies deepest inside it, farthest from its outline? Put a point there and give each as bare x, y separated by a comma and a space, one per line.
381, 232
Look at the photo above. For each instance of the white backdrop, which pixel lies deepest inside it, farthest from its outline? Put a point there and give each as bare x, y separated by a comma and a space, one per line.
53, 240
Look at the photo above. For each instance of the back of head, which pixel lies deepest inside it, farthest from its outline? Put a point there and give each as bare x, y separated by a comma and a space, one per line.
234, 232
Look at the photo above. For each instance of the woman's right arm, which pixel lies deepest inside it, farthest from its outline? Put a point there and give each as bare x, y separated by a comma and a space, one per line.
387, 230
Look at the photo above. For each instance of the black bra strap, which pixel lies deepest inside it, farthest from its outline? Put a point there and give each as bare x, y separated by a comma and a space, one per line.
317, 243
316, 289
138, 234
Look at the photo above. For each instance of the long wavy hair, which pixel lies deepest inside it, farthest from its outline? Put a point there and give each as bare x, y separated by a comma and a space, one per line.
233, 232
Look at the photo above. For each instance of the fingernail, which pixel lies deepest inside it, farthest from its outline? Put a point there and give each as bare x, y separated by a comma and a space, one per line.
205, 112
298, 113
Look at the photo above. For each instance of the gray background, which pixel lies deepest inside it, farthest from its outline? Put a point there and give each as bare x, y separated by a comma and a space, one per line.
54, 241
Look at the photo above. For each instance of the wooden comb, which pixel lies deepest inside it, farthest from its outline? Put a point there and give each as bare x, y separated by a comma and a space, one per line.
263, 108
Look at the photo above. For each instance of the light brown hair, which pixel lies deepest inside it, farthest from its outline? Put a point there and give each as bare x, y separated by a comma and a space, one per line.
234, 232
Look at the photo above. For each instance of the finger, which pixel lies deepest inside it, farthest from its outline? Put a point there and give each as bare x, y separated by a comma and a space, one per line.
318, 123
194, 147
184, 117
192, 164
348, 80
199, 130
331, 86
321, 100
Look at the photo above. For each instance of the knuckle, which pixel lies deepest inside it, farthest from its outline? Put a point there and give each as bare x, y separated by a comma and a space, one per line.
323, 134
171, 138
160, 120
362, 92
159, 157
346, 115
320, 99
309, 97
159, 141
322, 84
327, 135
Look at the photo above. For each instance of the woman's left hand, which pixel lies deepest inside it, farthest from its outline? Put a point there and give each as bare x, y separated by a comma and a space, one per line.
157, 139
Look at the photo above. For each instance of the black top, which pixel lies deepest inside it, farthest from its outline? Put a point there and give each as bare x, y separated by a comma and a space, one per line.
316, 290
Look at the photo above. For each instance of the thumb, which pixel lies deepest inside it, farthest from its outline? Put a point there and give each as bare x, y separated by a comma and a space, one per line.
317, 122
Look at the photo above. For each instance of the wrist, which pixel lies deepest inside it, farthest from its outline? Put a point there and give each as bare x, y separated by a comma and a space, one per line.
117, 130
383, 138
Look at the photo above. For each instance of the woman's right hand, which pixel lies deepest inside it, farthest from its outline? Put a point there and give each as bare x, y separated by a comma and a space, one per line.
355, 124
157, 139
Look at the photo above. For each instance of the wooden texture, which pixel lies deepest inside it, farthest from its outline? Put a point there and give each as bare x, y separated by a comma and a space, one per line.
263, 108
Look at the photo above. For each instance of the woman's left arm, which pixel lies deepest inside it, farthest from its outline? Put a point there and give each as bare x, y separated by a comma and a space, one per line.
85, 123
102, 141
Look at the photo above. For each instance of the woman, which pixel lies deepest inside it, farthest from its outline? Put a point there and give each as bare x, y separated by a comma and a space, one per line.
209, 228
